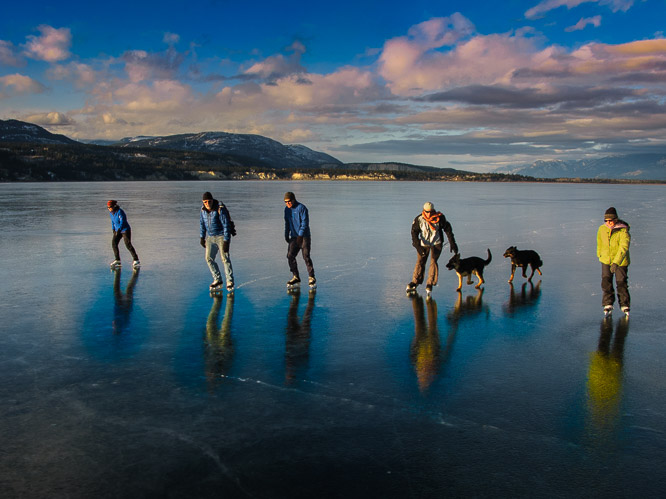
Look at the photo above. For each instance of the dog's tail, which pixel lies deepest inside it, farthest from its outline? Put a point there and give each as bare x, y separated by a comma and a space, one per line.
490, 257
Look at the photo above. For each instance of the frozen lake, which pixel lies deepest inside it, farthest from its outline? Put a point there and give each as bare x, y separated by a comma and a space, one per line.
143, 385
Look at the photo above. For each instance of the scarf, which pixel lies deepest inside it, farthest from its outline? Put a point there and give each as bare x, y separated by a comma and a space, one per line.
432, 219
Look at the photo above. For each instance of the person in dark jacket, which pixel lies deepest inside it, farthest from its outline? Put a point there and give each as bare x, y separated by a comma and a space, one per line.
297, 236
613, 240
428, 231
121, 230
215, 228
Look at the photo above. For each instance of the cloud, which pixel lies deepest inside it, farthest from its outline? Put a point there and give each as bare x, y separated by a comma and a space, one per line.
584, 22
21, 84
141, 65
171, 38
8, 56
278, 66
82, 75
547, 5
419, 63
50, 119
51, 46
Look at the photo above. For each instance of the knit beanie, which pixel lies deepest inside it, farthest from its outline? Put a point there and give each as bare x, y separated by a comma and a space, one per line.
611, 214
289, 196
207, 195
428, 206
112, 203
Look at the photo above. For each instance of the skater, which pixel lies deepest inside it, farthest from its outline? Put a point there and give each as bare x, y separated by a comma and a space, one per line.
613, 241
215, 231
297, 236
121, 230
428, 231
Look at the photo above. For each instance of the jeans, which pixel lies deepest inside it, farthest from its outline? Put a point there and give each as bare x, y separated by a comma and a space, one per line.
621, 280
292, 252
213, 246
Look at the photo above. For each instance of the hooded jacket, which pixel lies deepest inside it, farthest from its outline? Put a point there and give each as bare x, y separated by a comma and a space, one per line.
119, 221
215, 222
424, 235
613, 244
296, 221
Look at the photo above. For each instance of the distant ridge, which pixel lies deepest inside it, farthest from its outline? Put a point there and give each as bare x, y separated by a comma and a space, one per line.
21, 131
394, 167
267, 151
648, 166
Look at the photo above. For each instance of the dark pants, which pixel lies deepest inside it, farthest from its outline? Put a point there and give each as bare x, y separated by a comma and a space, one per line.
621, 280
292, 252
127, 237
421, 259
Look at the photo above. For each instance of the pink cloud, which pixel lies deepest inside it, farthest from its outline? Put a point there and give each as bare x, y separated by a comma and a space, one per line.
584, 22
51, 46
8, 55
22, 84
547, 5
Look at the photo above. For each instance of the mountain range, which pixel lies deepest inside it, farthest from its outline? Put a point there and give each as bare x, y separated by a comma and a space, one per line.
259, 151
648, 166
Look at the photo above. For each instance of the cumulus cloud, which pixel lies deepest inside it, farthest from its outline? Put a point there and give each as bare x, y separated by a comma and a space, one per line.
21, 84
82, 75
279, 66
547, 5
50, 119
141, 65
584, 22
52, 45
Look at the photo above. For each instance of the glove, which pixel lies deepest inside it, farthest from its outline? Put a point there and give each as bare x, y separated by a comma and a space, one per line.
202, 241
299, 241
225, 247
613, 268
286, 238
454, 248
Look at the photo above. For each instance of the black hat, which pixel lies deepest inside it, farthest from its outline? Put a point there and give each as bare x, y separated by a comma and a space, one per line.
207, 195
611, 214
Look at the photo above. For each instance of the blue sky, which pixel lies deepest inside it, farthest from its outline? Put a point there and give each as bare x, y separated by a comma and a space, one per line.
469, 85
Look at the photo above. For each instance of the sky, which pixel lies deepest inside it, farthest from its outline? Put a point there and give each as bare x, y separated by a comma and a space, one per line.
472, 85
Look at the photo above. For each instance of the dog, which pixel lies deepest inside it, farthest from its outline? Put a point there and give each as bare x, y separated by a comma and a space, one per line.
523, 258
468, 267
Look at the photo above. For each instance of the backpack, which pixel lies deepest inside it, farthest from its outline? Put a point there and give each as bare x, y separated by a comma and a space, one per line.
232, 225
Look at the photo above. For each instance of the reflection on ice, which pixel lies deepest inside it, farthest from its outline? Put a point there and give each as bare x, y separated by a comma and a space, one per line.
528, 297
425, 349
604, 384
297, 340
218, 343
122, 309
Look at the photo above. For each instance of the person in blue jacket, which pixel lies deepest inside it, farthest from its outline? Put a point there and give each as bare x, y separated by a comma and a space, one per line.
215, 231
297, 235
121, 230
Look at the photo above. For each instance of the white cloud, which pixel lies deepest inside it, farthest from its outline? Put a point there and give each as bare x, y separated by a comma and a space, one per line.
21, 84
50, 119
547, 5
51, 46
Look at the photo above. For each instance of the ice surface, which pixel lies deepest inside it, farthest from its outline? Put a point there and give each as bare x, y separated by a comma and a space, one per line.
141, 384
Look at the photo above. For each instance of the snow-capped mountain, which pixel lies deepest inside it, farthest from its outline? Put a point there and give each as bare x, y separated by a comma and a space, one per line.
20, 131
631, 166
266, 151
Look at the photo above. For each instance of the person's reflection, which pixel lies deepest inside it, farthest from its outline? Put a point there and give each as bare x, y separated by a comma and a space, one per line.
604, 381
122, 301
425, 350
298, 333
525, 298
218, 345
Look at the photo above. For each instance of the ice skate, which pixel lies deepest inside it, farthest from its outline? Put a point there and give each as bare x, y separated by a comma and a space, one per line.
293, 282
625, 310
411, 288
136, 264
608, 310
312, 282
230, 288
115, 264
428, 291
216, 284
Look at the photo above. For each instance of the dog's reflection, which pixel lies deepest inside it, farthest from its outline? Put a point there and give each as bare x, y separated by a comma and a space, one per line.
471, 305
604, 382
218, 344
528, 296
298, 334
123, 301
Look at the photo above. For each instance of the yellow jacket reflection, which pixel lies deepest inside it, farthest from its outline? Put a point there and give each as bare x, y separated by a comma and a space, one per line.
425, 349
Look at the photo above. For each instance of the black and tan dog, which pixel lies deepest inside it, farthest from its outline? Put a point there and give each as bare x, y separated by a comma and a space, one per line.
468, 267
523, 258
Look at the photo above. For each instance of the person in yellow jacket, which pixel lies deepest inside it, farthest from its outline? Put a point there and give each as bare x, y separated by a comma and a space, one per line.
613, 241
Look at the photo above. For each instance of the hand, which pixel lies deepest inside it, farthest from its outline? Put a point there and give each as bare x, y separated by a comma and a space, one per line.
225, 247
420, 250
454, 248
202, 241
299, 241
286, 238
613, 268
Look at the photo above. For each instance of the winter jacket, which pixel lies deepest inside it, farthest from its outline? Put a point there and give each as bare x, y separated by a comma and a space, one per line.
296, 221
215, 222
613, 245
119, 221
424, 235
